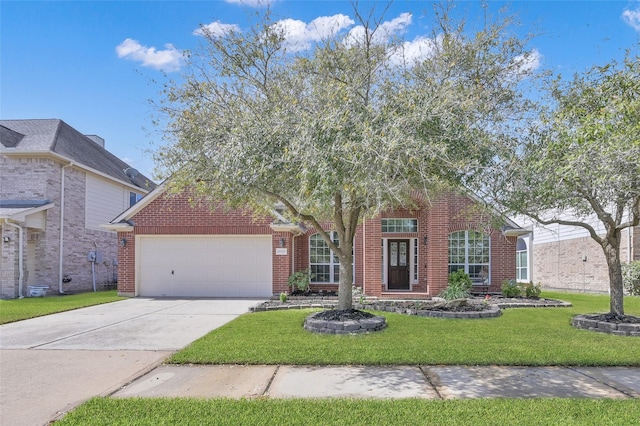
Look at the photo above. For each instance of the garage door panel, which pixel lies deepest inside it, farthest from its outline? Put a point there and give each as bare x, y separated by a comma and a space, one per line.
205, 266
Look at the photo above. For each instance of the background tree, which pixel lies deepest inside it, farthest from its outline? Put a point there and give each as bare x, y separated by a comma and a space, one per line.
581, 160
342, 130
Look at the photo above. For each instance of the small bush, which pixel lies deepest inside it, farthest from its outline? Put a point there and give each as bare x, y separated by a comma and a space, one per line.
283, 297
300, 280
531, 290
510, 288
459, 286
631, 277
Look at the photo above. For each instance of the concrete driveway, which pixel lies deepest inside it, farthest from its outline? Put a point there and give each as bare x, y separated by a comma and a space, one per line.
50, 364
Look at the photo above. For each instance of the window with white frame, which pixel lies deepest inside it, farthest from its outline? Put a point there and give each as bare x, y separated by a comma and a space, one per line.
470, 251
399, 225
522, 261
323, 264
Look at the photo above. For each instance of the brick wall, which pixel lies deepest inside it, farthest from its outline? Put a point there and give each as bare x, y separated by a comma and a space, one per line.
175, 215
39, 179
559, 265
179, 214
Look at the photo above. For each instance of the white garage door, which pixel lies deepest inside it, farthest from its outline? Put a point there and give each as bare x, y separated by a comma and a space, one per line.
204, 266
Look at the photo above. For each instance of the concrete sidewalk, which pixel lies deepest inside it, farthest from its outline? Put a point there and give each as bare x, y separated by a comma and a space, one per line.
50, 364
428, 382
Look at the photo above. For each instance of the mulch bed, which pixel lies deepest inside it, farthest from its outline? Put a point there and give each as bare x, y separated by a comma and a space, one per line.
615, 319
343, 315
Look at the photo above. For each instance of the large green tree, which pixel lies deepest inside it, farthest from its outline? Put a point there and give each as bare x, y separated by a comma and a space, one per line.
579, 164
345, 128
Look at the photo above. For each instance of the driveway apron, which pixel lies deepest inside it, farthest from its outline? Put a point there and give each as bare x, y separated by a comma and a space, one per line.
50, 364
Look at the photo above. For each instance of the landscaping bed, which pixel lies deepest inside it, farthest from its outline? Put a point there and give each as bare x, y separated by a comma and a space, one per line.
412, 307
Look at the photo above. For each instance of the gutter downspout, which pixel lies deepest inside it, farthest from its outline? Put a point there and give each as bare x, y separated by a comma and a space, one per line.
61, 247
20, 255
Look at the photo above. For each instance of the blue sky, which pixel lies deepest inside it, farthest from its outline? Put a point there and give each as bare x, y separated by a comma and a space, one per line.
91, 63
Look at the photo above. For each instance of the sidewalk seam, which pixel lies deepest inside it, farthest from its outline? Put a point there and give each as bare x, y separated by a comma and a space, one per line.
266, 389
609, 383
431, 383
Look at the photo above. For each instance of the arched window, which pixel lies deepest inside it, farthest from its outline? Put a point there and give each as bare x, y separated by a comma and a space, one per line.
470, 251
522, 261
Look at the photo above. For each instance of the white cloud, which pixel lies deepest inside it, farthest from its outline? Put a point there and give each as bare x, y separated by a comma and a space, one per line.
528, 63
632, 18
383, 33
251, 3
299, 35
216, 29
411, 52
166, 60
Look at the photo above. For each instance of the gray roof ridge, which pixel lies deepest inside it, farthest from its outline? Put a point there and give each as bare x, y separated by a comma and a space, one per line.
54, 142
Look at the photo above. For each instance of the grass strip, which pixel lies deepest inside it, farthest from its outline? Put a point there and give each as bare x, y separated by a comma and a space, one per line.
476, 412
31, 307
521, 336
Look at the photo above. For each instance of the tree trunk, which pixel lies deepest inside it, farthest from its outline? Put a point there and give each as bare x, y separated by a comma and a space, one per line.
611, 247
345, 298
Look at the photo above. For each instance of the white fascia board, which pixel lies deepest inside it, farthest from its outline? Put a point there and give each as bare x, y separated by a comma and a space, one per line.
518, 232
118, 227
293, 228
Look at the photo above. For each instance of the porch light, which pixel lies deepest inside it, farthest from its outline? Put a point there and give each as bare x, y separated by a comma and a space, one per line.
425, 240
123, 242
6, 239
282, 241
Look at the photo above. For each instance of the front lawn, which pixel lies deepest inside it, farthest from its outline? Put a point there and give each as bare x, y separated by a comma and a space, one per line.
31, 307
476, 412
522, 336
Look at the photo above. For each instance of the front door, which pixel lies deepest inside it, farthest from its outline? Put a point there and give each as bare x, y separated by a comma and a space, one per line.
398, 265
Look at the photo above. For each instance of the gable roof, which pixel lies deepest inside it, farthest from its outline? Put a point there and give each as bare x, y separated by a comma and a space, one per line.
45, 136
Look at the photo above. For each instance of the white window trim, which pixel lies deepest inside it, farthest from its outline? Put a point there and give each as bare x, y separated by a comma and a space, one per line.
528, 267
334, 236
466, 252
400, 218
413, 261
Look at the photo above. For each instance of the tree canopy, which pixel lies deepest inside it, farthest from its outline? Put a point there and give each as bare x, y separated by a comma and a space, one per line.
580, 160
347, 128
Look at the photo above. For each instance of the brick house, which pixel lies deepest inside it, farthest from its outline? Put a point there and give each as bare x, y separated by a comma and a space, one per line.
173, 247
566, 258
57, 187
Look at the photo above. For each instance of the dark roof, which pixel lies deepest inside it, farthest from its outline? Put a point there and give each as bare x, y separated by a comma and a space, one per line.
20, 204
53, 135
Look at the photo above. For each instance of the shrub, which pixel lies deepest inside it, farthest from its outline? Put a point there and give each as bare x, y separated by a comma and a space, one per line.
531, 290
510, 288
300, 280
459, 286
283, 297
631, 277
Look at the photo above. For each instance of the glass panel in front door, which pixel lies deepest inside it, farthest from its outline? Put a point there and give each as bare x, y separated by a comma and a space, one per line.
403, 254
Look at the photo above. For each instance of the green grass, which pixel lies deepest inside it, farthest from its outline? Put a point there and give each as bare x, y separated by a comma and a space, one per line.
476, 412
522, 336
31, 307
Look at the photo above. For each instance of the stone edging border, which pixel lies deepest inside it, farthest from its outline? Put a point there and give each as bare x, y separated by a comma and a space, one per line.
585, 323
556, 304
491, 312
364, 325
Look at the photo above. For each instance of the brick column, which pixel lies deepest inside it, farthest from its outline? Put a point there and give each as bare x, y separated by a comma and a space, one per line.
372, 270
127, 265
281, 264
438, 245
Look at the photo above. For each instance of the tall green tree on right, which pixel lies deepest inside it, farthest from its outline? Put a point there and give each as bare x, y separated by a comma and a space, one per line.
582, 159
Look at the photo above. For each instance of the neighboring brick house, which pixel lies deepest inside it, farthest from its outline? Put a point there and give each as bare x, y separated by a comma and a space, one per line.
566, 258
57, 187
173, 247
